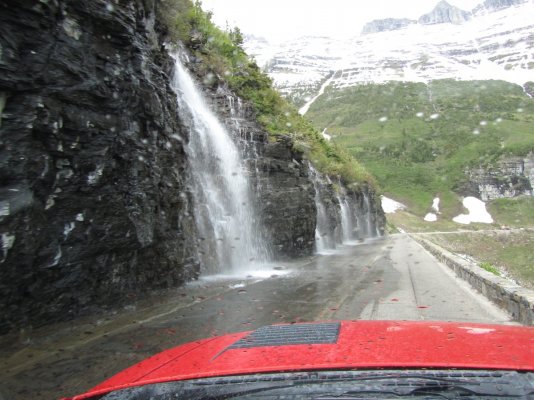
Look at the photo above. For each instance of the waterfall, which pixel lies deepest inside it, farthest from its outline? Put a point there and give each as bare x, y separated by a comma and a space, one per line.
345, 214
324, 238
369, 228
230, 238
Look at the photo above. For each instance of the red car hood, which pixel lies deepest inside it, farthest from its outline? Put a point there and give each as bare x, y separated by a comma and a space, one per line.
336, 345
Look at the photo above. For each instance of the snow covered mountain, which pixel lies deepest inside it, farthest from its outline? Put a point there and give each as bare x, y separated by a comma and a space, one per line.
491, 42
445, 13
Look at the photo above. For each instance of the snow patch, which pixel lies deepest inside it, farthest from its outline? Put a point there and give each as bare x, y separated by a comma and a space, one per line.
326, 135
431, 217
477, 212
304, 109
390, 206
435, 204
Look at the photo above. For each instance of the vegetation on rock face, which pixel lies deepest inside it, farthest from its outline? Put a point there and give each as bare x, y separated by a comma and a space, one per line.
418, 139
223, 59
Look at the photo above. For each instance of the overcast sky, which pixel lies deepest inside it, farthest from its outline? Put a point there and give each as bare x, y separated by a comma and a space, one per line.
278, 19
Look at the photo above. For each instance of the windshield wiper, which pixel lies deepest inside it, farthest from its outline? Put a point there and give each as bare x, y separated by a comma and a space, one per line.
432, 392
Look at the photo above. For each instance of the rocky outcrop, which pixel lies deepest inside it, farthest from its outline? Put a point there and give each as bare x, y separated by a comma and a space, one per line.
495, 5
444, 13
388, 24
510, 177
93, 198
286, 199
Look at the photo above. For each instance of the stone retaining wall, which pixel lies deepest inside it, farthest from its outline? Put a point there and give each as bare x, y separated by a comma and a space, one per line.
517, 300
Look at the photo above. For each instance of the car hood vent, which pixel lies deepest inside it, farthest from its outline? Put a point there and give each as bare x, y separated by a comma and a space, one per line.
284, 335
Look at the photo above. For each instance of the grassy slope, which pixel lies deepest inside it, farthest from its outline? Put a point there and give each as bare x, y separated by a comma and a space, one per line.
416, 157
509, 251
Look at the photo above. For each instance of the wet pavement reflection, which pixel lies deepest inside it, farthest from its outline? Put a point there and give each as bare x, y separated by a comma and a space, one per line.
382, 278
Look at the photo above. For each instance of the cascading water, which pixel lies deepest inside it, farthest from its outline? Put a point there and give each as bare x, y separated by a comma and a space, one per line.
369, 228
324, 240
231, 239
346, 215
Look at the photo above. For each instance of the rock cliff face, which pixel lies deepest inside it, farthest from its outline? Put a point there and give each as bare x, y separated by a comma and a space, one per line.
93, 184
512, 176
286, 199
95, 200
444, 13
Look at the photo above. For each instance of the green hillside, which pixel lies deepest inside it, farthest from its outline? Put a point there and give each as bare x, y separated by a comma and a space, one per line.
418, 139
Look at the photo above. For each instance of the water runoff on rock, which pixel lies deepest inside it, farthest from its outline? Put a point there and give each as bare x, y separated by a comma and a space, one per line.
231, 241
347, 226
348, 219
324, 239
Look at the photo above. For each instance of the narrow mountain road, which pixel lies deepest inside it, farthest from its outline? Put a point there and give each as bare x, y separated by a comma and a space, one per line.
383, 278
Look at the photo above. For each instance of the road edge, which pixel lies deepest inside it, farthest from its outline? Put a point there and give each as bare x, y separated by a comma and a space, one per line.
516, 300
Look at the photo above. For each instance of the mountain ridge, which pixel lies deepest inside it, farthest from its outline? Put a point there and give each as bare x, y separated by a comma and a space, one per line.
493, 45
443, 12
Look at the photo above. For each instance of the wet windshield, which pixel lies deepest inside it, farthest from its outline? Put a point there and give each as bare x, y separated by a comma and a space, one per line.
178, 170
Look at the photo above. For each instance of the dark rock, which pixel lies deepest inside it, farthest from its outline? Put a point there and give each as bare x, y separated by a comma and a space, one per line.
93, 196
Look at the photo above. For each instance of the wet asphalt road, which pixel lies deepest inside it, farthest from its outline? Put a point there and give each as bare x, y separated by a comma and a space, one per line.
384, 278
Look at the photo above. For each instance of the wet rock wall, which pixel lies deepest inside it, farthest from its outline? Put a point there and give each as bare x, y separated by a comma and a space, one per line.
93, 197
280, 177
